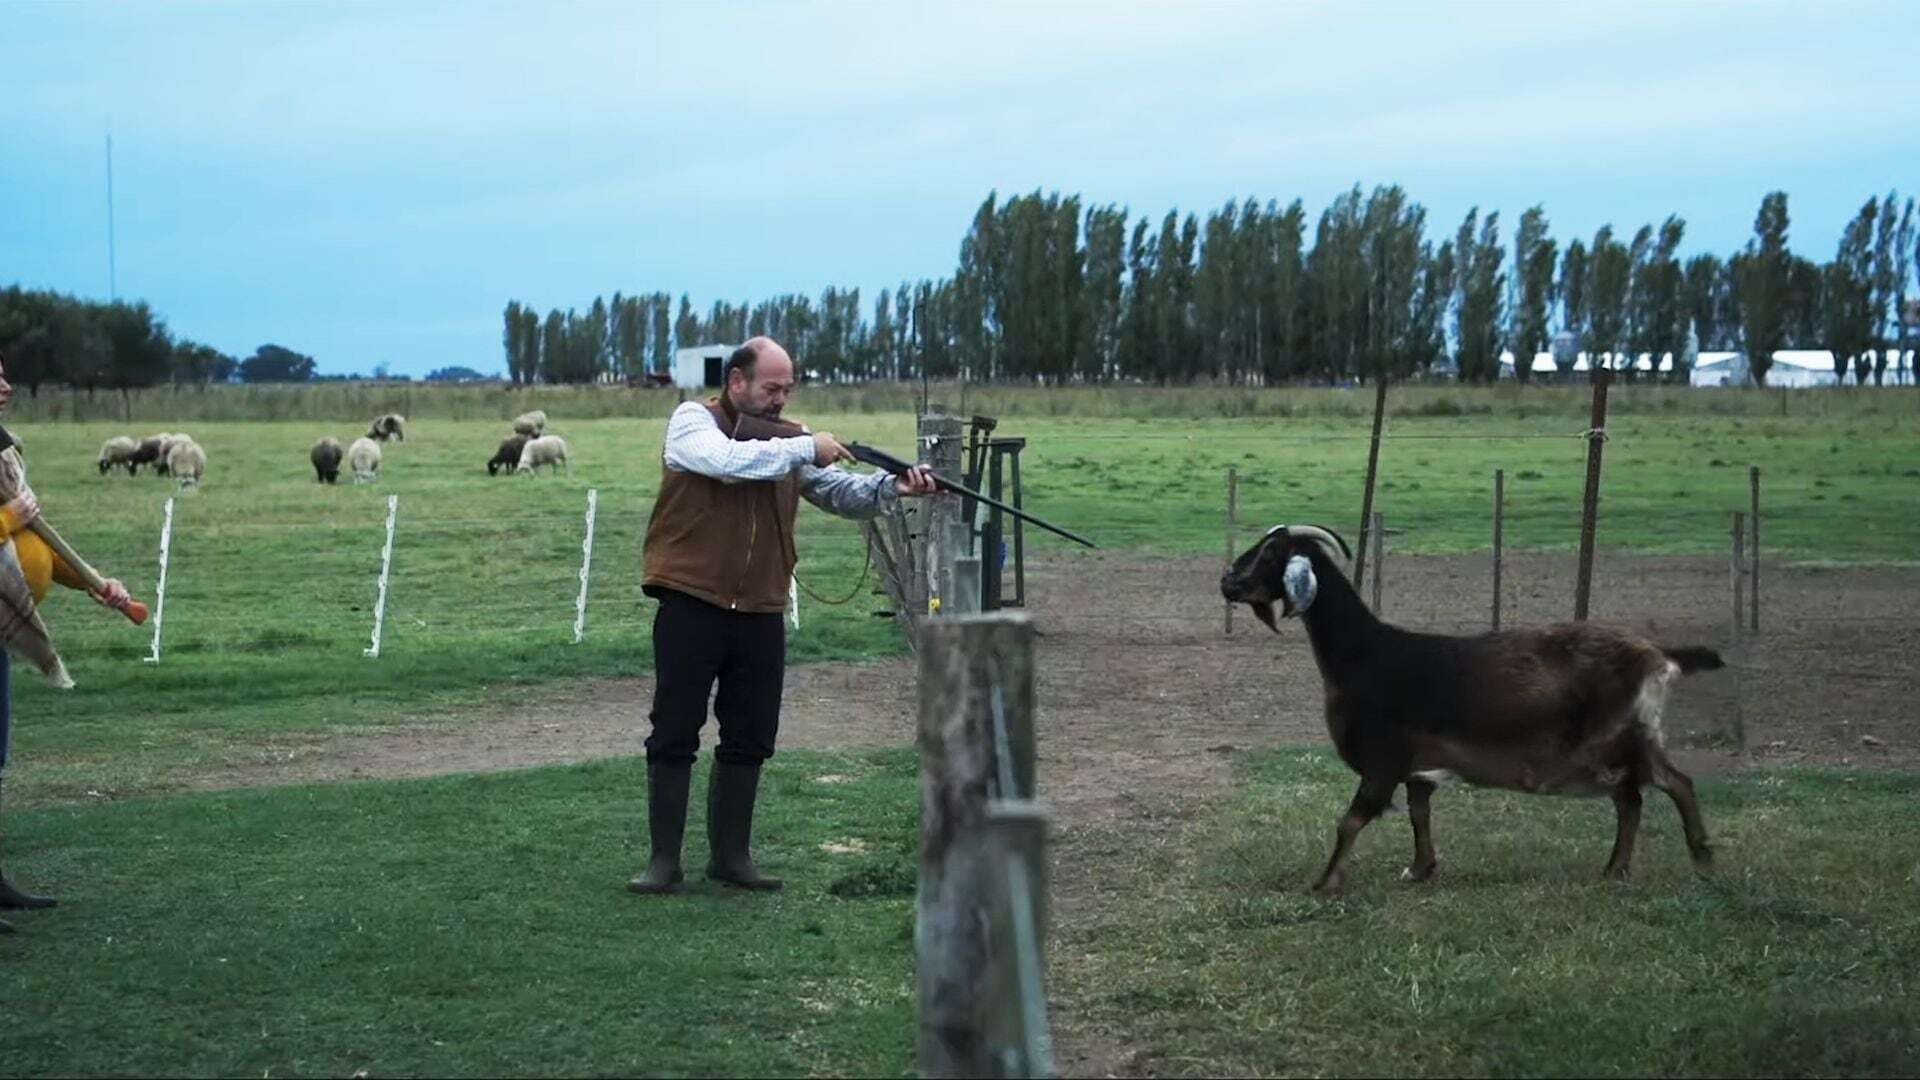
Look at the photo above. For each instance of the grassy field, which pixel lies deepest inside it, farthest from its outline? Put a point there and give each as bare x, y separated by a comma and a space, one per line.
471, 925
477, 925
272, 578
1797, 958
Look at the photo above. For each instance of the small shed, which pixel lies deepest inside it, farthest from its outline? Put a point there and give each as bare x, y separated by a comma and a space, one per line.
699, 367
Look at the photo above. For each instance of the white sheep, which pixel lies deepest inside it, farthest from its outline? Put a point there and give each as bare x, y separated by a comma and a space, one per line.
186, 461
169, 440
118, 450
548, 450
532, 424
363, 457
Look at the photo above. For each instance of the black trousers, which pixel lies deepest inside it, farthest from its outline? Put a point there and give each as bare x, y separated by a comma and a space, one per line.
696, 644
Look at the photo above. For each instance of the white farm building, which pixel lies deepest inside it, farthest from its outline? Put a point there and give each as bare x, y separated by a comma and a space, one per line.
699, 367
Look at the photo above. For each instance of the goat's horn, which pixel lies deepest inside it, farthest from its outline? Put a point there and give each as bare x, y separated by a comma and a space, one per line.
1327, 537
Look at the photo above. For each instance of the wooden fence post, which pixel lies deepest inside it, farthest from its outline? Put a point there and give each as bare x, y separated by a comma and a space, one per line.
940, 447
976, 742
1233, 527
1753, 557
1379, 530
1373, 471
1499, 538
1737, 568
1590, 501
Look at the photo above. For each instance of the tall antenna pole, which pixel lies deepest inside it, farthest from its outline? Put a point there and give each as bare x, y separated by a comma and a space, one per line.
113, 285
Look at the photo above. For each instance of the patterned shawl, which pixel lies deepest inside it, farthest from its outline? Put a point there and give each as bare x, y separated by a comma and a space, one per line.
21, 630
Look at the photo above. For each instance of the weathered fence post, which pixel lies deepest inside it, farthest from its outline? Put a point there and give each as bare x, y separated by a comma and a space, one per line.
160, 590
1499, 537
1373, 471
386, 567
976, 747
940, 447
1233, 527
1753, 557
1590, 502
586, 569
1377, 524
1737, 567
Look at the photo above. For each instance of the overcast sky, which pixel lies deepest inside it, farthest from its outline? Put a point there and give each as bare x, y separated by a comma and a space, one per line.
373, 182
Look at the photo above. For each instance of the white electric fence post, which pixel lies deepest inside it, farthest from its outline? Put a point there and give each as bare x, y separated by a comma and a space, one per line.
586, 569
160, 590
386, 567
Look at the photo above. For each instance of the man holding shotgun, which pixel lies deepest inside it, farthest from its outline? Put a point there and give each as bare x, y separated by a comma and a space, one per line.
41, 564
719, 555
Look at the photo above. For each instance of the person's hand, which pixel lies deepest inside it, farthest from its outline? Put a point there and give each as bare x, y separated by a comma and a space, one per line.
113, 595
827, 449
915, 481
24, 507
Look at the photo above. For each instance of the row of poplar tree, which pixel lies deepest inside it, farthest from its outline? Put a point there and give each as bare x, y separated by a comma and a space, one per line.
1050, 291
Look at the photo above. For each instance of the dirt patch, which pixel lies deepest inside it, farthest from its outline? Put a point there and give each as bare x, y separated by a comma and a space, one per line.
827, 706
1143, 695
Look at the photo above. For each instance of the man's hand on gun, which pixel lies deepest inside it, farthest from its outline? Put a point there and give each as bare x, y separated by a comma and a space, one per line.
917, 480
827, 449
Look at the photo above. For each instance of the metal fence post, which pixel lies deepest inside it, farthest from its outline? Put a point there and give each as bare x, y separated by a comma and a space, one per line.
160, 590
386, 568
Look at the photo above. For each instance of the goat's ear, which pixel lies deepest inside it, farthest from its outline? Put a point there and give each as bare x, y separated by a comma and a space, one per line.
1264, 612
1300, 584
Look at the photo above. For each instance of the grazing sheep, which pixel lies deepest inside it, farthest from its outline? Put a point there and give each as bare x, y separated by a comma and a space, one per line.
532, 424
168, 440
119, 451
326, 459
548, 450
150, 452
508, 456
390, 426
187, 462
1566, 709
363, 458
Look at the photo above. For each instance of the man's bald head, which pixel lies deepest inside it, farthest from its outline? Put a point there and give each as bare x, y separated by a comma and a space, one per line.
760, 378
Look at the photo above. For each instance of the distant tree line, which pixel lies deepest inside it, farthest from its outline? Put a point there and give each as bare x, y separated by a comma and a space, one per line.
49, 338
1050, 291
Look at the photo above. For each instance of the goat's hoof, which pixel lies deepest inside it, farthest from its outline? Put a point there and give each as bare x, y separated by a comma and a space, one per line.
1419, 873
1327, 887
1616, 873
1703, 861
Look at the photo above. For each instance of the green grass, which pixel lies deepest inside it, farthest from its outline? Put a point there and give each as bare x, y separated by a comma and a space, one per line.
477, 925
1797, 958
470, 925
273, 576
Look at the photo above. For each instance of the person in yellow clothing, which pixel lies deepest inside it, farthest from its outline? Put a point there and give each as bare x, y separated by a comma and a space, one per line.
38, 562
42, 567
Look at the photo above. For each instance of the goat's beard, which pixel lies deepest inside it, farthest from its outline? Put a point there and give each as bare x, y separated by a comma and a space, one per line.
1264, 612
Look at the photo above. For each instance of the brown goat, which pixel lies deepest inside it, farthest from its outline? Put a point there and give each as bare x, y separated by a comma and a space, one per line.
1567, 709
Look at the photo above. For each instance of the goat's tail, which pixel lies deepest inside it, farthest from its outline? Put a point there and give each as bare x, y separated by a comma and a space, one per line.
1694, 658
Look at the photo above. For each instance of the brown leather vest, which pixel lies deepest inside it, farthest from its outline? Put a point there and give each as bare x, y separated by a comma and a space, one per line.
729, 544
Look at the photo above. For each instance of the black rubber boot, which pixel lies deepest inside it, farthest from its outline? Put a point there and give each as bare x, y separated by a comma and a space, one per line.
731, 792
12, 899
667, 786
